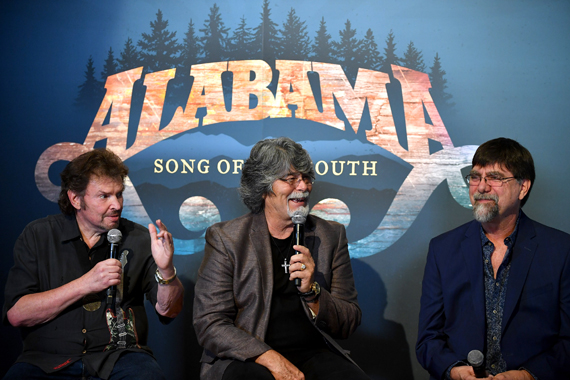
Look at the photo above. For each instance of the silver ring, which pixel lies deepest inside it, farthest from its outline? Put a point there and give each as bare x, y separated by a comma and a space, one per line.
303, 266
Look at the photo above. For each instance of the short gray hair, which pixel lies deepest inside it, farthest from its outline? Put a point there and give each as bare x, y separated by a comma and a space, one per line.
269, 160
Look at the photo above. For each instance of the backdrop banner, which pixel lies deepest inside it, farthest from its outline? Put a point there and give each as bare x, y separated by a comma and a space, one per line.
390, 99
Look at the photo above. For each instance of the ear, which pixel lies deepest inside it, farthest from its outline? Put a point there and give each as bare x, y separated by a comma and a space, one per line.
525, 187
74, 199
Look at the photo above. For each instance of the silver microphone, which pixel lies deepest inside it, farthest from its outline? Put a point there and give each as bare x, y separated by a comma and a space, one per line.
299, 217
114, 237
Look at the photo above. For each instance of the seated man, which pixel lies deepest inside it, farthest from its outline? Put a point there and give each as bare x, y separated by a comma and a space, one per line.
499, 284
56, 293
250, 317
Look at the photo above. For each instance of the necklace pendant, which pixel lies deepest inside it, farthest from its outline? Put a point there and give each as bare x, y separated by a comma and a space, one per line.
285, 265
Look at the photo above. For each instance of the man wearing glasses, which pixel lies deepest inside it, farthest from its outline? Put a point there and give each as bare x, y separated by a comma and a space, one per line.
253, 321
499, 284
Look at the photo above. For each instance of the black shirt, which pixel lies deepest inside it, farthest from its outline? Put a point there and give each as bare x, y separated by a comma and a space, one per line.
50, 253
289, 328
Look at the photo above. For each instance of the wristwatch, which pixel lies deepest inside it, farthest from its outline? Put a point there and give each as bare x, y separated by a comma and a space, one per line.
162, 281
315, 291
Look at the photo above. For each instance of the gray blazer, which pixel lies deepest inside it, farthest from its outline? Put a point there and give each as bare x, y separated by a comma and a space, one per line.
235, 284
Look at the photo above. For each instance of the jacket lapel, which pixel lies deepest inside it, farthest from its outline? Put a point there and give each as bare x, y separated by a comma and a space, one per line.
521, 259
261, 245
473, 256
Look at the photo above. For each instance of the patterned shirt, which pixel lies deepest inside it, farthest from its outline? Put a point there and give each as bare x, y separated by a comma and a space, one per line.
495, 292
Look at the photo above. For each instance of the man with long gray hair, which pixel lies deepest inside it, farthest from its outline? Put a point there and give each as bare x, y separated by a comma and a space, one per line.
261, 311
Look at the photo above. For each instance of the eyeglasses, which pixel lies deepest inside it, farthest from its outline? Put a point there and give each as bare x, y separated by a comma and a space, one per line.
493, 181
293, 180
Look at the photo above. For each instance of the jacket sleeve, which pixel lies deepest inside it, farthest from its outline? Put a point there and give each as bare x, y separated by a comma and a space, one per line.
554, 362
339, 314
215, 310
432, 349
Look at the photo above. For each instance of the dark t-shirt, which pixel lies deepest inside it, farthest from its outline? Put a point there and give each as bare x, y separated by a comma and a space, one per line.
50, 253
289, 329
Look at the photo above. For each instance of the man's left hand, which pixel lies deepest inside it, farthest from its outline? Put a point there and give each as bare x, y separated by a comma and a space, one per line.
514, 375
162, 248
300, 261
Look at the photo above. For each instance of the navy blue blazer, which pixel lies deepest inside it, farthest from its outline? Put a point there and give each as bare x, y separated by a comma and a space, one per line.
536, 319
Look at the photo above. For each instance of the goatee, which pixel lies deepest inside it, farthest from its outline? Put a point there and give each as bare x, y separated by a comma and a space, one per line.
483, 212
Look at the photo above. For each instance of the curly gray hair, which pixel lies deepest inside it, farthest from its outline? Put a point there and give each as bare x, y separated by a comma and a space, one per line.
269, 160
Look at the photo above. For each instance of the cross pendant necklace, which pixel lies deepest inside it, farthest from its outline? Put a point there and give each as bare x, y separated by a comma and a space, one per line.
286, 265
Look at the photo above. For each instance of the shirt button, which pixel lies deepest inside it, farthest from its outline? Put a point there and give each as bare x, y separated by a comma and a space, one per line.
84, 331
84, 351
486, 261
494, 338
494, 312
492, 366
496, 283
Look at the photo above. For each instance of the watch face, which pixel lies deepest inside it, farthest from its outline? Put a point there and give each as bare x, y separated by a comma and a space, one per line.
315, 287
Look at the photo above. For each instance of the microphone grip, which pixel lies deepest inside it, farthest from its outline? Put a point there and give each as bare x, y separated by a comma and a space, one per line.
112, 290
299, 240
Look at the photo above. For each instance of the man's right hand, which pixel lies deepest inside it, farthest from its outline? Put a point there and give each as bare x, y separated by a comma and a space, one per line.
281, 368
36, 308
465, 373
103, 275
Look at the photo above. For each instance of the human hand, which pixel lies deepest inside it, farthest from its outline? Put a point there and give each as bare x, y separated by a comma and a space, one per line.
280, 368
463, 372
514, 375
103, 275
162, 247
303, 259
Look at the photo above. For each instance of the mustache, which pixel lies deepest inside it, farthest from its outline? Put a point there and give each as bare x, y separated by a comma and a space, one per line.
478, 197
299, 195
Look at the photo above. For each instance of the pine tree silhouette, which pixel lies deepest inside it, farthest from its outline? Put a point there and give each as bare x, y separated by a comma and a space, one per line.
91, 91
130, 57
295, 41
190, 50
413, 59
438, 86
241, 42
160, 48
322, 47
371, 58
111, 66
266, 40
390, 57
348, 51
215, 37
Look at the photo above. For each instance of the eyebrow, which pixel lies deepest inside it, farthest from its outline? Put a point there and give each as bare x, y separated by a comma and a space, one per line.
493, 173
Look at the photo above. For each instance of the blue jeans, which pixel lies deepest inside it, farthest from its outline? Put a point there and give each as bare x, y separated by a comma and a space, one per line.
131, 365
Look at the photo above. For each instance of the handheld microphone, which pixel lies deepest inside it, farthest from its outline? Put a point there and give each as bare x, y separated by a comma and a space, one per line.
476, 359
299, 219
114, 237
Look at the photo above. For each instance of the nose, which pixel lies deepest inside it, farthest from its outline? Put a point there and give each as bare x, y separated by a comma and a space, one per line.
483, 185
301, 185
117, 203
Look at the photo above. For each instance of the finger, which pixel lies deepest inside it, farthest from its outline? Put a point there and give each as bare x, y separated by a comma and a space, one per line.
161, 225
152, 231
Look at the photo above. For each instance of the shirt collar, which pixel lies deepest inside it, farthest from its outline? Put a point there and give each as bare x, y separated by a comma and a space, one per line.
509, 240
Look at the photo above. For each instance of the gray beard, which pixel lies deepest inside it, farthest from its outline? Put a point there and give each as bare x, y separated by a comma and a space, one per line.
304, 210
485, 213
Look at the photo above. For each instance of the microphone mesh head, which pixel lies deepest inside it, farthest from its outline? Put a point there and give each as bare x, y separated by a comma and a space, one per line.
475, 358
114, 236
299, 217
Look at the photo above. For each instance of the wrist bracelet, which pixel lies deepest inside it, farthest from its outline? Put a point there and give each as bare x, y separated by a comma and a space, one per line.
313, 300
158, 277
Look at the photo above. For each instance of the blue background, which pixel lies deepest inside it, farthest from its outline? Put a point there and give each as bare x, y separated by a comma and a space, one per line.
506, 63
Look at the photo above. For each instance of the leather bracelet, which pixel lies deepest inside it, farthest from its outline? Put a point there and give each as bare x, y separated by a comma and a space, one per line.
158, 277
311, 300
